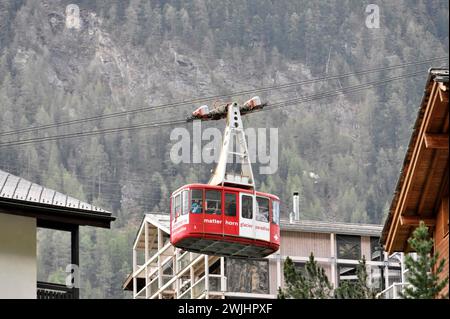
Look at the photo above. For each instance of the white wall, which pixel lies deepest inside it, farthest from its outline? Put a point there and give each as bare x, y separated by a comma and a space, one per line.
17, 257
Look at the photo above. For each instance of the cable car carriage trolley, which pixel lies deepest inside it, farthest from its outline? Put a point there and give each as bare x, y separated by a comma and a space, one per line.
227, 216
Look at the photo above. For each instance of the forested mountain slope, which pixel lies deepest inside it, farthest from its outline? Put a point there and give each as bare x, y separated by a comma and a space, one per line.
124, 55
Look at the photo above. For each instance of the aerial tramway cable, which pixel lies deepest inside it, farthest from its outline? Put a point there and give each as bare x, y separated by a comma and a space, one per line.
199, 100
276, 105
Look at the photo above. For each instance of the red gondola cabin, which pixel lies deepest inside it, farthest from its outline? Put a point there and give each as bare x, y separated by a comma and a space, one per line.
225, 221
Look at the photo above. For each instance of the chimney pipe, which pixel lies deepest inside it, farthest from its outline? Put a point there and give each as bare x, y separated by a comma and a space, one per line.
296, 206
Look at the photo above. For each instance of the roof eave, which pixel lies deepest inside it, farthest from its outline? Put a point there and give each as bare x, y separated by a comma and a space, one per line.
435, 75
53, 213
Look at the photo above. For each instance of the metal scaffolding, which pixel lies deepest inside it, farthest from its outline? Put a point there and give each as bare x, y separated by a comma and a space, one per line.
162, 271
168, 272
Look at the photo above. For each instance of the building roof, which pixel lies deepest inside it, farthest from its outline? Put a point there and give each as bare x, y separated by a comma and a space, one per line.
421, 176
22, 197
332, 227
159, 220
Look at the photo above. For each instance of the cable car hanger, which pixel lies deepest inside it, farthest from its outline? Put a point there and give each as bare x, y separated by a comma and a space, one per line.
226, 216
234, 132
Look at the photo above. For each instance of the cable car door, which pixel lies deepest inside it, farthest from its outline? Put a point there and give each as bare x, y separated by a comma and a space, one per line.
246, 213
275, 223
180, 217
212, 218
231, 217
196, 211
262, 225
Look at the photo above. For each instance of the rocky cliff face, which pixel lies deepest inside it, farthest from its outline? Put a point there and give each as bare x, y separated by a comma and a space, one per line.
74, 43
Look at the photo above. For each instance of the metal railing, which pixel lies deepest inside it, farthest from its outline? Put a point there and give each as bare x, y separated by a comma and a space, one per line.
47, 290
185, 293
153, 286
393, 291
198, 288
215, 282
183, 260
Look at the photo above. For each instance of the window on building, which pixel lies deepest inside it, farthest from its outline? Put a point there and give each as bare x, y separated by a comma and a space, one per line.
262, 209
196, 201
247, 206
249, 276
213, 202
376, 250
348, 247
185, 202
276, 212
299, 266
215, 280
395, 275
377, 277
395, 258
230, 204
214, 269
347, 273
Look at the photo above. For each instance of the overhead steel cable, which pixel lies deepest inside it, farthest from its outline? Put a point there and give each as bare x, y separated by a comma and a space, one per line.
345, 90
291, 102
205, 99
102, 131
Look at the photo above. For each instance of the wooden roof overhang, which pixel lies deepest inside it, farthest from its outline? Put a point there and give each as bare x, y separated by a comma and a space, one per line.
424, 176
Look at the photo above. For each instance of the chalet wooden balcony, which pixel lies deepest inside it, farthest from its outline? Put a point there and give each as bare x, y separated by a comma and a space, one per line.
46, 290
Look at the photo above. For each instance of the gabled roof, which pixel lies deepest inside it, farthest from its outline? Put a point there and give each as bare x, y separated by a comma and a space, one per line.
21, 197
159, 220
424, 167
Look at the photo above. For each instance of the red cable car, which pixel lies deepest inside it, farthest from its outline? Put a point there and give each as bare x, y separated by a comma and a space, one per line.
225, 221
226, 217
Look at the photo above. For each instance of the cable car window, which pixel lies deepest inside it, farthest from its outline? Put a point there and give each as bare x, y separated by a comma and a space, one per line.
230, 204
178, 205
262, 209
247, 206
185, 202
172, 211
213, 202
276, 212
196, 201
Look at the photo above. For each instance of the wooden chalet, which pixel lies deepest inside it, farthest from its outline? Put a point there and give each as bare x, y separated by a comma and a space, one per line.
422, 188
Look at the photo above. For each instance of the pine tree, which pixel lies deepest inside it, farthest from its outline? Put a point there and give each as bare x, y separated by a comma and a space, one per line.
311, 283
424, 271
281, 294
